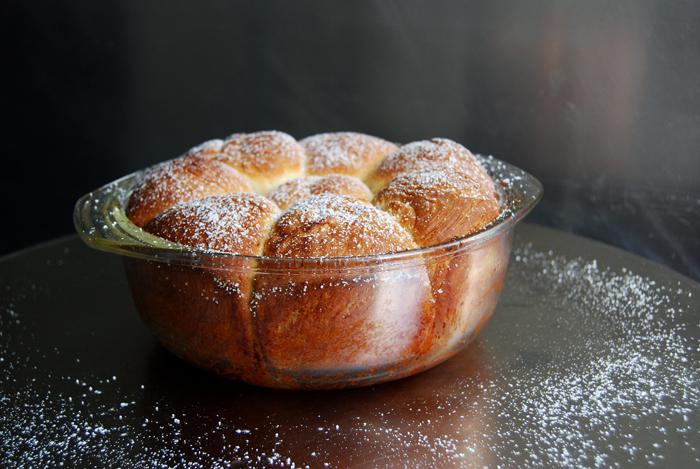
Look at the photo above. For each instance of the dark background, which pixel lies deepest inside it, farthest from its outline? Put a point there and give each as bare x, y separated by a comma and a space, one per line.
600, 100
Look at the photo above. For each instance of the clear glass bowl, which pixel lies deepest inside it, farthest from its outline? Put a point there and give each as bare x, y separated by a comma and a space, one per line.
312, 323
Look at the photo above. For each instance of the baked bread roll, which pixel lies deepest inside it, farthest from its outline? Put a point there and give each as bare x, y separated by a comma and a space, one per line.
330, 225
203, 314
191, 177
267, 158
436, 206
429, 154
237, 223
348, 153
338, 318
304, 187
207, 149
440, 193
264, 194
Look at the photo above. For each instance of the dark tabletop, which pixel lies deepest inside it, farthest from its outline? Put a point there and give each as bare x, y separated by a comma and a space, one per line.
591, 359
598, 99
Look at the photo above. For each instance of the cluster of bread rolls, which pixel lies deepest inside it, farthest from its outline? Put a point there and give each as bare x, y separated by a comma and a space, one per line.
331, 196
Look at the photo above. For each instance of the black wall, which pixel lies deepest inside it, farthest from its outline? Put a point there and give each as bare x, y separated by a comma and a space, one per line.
600, 100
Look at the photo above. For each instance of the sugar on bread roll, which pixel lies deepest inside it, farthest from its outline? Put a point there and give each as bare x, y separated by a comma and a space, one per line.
349, 153
338, 318
268, 158
190, 177
436, 206
428, 154
237, 223
207, 149
331, 225
301, 188
203, 314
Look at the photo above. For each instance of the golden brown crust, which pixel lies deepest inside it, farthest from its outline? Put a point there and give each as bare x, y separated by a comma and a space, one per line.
215, 330
436, 206
350, 153
330, 225
338, 319
183, 179
236, 223
341, 321
198, 315
465, 287
208, 149
428, 154
268, 158
301, 188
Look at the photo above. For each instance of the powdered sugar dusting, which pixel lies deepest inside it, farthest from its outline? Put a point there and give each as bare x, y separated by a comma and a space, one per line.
260, 144
209, 148
428, 154
301, 188
293, 191
436, 205
602, 371
433, 183
268, 162
234, 223
330, 225
345, 153
628, 370
264, 154
183, 179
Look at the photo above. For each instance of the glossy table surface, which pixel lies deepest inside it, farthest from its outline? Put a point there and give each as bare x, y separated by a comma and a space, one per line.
591, 359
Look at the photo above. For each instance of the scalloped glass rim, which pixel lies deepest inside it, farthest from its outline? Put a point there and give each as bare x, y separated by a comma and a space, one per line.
101, 222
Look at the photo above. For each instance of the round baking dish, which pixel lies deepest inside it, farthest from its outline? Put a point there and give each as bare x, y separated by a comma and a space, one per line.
313, 323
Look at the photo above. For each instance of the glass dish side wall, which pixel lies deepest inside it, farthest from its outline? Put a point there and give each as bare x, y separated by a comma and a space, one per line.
337, 329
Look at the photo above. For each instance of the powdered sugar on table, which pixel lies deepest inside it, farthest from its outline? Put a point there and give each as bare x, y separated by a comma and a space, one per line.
584, 364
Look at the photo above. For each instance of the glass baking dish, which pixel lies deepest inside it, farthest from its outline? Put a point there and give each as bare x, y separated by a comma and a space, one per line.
312, 323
